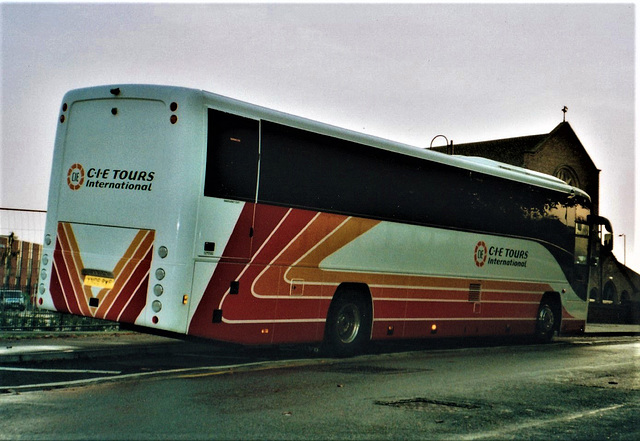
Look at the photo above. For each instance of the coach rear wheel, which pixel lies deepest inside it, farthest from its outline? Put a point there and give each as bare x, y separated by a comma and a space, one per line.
348, 325
545, 323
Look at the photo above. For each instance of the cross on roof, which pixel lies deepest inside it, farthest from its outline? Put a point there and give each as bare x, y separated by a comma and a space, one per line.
564, 113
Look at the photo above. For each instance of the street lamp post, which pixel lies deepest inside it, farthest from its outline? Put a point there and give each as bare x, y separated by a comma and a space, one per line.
449, 145
438, 136
624, 242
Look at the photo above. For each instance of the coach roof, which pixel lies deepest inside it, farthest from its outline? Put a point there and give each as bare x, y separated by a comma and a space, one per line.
474, 164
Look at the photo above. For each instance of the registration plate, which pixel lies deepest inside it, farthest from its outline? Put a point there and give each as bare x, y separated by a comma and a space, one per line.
101, 282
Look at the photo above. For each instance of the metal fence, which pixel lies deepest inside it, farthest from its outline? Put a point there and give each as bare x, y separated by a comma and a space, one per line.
25, 224
39, 320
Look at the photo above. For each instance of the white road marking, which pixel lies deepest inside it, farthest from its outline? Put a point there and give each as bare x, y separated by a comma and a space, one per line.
8, 350
500, 433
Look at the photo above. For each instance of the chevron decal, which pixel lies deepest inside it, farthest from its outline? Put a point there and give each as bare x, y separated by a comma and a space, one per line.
122, 299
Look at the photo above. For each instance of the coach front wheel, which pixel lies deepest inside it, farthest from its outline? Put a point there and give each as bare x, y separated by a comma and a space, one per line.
545, 323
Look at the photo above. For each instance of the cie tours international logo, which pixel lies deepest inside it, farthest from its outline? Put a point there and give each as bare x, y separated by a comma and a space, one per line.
106, 178
75, 176
501, 256
480, 254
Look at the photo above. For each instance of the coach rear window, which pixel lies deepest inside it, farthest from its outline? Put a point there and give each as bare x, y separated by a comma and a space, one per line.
232, 156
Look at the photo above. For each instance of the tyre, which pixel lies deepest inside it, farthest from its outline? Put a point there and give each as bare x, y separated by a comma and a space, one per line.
546, 323
348, 325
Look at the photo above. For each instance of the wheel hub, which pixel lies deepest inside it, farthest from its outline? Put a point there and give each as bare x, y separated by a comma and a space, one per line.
546, 319
348, 323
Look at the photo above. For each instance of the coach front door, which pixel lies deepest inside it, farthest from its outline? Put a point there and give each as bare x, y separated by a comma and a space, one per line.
581, 259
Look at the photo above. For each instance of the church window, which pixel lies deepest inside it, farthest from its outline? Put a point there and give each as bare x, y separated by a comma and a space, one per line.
568, 175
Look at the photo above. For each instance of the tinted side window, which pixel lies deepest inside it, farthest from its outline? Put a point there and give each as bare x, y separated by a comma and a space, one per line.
232, 156
309, 170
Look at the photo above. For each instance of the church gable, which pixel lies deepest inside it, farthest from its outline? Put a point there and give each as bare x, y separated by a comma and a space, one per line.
561, 154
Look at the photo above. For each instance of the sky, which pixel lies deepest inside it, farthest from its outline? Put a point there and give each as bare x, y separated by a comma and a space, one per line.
470, 72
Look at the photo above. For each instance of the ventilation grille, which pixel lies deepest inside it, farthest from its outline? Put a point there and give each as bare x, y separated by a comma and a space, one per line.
474, 292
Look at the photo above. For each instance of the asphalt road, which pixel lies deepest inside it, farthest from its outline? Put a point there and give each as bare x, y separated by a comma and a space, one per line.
583, 388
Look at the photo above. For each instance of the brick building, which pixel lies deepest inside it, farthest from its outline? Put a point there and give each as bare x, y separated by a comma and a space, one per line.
19, 264
560, 153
